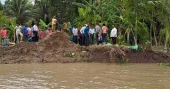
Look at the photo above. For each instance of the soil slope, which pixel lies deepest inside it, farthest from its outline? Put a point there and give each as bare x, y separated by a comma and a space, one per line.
56, 47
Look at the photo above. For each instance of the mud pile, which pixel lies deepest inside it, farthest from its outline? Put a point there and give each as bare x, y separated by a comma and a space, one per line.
51, 49
147, 57
57, 47
20, 53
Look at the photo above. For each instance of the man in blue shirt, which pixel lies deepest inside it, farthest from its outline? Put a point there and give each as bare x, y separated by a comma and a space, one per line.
86, 34
25, 33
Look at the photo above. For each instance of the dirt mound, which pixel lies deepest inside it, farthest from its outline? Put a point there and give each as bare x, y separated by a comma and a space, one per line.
57, 47
106, 53
54, 47
147, 57
51, 49
21, 53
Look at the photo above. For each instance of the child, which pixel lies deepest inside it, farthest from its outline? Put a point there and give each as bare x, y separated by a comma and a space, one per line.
29, 33
99, 38
42, 34
48, 31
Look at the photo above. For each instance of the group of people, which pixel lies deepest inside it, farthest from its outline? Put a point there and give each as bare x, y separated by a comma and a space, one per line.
86, 35
27, 33
31, 33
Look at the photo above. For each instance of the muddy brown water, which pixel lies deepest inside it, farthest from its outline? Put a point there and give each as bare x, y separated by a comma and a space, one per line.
84, 76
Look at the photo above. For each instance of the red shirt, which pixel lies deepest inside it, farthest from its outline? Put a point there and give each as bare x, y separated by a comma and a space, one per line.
42, 34
3, 33
104, 29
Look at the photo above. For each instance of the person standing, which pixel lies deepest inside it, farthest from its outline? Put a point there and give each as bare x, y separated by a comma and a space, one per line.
83, 35
58, 22
104, 33
98, 30
29, 33
35, 32
25, 31
75, 34
18, 33
92, 32
54, 23
86, 35
113, 34
80, 36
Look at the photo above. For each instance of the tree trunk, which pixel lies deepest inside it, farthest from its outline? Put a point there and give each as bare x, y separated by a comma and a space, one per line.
128, 35
156, 42
166, 41
136, 24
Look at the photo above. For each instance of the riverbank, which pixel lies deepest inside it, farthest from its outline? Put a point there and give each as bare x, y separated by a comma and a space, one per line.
56, 48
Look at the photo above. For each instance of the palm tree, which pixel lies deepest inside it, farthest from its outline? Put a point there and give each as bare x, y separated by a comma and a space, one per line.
17, 9
41, 11
165, 19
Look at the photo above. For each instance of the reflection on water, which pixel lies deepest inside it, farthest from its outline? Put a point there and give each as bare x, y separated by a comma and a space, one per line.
84, 76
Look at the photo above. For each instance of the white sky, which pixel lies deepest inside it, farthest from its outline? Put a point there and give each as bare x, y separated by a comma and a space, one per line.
3, 1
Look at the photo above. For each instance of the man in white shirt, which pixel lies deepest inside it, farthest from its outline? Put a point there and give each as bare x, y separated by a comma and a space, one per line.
75, 34
92, 32
82, 32
35, 33
18, 33
113, 34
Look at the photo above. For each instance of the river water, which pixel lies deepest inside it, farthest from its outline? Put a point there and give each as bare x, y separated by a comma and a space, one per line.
84, 76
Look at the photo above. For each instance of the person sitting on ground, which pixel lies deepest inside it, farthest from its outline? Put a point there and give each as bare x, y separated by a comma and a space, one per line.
42, 34
49, 31
3, 34
18, 33
99, 38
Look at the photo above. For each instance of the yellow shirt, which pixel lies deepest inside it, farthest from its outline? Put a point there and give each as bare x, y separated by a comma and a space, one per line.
54, 21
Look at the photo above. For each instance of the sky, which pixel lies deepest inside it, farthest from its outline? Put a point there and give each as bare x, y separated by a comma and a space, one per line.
3, 1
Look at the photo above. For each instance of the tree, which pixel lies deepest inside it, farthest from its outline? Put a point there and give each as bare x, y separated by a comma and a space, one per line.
1, 6
18, 9
40, 10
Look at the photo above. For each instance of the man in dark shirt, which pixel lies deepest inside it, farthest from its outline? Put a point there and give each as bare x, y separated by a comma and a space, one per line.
58, 22
86, 34
25, 33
